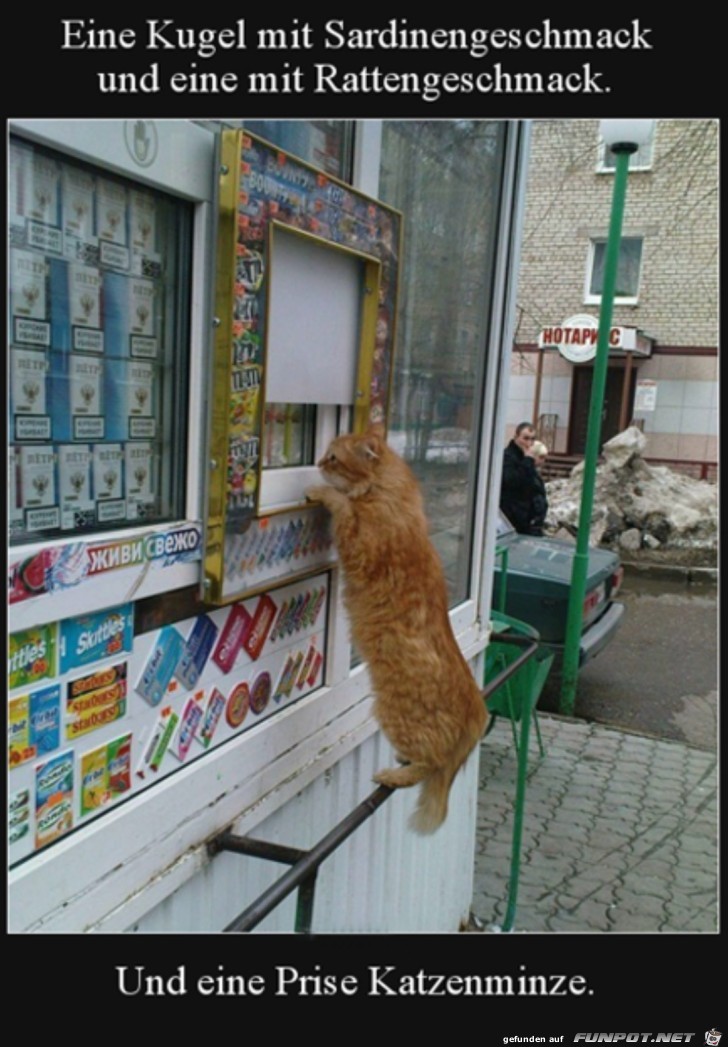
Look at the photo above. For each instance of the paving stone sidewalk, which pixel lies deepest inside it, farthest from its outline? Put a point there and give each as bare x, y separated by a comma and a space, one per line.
619, 833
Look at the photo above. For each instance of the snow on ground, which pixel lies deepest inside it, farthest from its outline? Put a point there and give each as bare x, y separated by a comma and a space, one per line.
645, 512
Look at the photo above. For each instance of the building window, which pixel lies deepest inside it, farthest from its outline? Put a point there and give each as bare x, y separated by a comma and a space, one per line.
628, 271
639, 161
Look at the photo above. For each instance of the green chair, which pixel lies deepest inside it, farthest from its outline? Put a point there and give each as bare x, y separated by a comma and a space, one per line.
516, 699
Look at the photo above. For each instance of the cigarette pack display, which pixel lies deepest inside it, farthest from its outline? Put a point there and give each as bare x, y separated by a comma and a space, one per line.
116, 323
28, 370
86, 378
74, 482
84, 288
143, 222
108, 471
76, 397
40, 189
37, 476
15, 512
111, 211
141, 306
77, 207
28, 292
140, 388
139, 474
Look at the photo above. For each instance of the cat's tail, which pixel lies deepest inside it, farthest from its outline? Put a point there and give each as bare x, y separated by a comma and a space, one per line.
431, 809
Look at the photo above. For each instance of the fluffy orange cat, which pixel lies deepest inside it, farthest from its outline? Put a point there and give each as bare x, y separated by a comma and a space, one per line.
426, 699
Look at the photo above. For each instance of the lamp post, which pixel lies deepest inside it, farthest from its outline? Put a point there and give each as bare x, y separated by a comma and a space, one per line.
622, 137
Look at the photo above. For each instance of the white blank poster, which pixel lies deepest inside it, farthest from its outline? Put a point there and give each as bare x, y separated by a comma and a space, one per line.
314, 316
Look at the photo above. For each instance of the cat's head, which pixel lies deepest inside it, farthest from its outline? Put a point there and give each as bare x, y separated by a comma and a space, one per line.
352, 461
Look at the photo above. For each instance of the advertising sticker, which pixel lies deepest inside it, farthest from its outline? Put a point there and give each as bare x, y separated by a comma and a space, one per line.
95, 700
53, 798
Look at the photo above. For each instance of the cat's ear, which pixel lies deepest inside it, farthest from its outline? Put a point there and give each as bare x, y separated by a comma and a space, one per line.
373, 442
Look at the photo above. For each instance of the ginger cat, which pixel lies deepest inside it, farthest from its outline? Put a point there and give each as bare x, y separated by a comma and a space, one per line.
426, 700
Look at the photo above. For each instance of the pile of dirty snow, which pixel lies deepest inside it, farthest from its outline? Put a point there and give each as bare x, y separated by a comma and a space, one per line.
644, 512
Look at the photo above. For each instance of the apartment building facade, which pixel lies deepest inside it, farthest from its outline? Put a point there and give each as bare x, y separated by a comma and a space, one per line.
666, 290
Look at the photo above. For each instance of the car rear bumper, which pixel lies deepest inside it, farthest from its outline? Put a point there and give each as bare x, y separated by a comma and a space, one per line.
600, 633
596, 637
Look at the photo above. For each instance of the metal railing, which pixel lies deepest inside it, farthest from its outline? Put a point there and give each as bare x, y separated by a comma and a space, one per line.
305, 863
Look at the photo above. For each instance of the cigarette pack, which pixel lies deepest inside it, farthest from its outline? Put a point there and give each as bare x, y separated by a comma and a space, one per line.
141, 306
74, 482
108, 471
138, 470
28, 273
77, 205
37, 476
111, 211
84, 287
40, 189
139, 388
143, 222
28, 370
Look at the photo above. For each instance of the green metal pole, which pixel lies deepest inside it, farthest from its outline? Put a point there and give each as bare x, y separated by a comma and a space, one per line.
577, 593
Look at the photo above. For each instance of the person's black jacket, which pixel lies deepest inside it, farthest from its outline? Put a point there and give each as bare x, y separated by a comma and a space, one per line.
539, 505
519, 484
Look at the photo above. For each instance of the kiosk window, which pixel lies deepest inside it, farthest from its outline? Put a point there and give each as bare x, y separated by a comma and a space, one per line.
98, 336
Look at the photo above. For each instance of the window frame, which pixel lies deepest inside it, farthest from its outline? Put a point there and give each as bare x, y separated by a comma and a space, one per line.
595, 299
642, 160
106, 146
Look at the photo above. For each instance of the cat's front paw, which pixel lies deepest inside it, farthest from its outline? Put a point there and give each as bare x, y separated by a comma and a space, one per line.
317, 493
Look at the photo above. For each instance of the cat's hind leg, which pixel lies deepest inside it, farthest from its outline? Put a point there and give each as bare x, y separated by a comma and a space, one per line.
403, 777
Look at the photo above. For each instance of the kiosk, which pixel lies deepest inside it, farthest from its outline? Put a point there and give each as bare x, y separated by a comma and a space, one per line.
194, 313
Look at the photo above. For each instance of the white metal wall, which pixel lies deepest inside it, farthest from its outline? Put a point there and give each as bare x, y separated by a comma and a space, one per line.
383, 878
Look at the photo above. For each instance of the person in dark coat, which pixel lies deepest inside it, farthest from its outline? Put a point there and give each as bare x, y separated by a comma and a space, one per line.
520, 481
539, 502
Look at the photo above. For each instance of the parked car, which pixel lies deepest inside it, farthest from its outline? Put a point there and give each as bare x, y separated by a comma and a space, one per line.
538, 580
